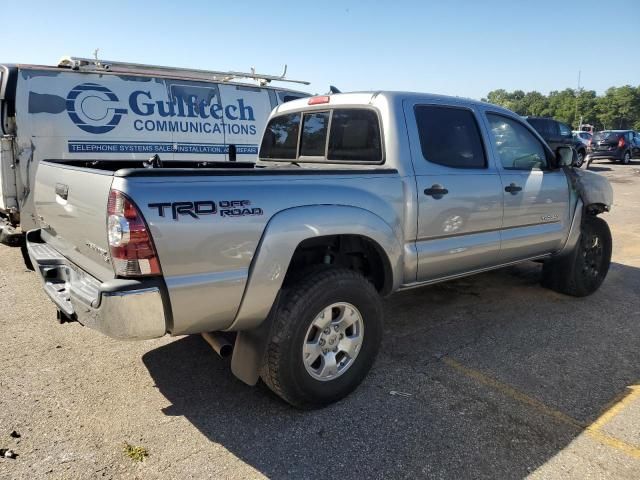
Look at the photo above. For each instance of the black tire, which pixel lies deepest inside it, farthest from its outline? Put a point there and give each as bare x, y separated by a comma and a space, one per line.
283, 368
580, 158
627, 158
581, 272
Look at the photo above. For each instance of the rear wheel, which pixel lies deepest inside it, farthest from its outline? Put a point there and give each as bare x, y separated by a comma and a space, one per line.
627, 158
581, 272
325, 336
579, 159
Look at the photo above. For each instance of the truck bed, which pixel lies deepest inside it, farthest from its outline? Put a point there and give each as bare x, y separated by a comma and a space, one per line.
205, 257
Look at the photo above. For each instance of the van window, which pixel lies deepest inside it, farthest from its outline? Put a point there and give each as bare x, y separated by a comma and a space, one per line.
288, 96
314, 134
280, 139
449, 136
355, 136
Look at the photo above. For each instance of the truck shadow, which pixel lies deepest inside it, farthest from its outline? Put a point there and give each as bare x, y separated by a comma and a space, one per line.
573, 356
595, 168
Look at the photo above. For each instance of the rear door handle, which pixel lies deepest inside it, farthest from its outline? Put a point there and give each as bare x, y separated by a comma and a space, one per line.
436, 191
512, 189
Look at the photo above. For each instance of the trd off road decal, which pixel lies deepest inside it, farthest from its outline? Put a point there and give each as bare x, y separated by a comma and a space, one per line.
196, 209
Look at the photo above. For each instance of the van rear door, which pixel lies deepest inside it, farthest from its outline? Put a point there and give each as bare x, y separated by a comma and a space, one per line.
246, 109
8, 189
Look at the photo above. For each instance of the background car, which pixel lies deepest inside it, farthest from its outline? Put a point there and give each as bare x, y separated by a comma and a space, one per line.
615, 145
582, 136
558, 134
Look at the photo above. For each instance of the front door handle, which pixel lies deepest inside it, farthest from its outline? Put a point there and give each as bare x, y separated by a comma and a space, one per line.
512, 189
436, 191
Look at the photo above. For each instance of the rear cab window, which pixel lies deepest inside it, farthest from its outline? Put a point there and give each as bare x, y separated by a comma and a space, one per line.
280, 139
335, 135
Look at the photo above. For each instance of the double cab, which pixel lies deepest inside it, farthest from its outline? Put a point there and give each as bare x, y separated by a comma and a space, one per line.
354, 196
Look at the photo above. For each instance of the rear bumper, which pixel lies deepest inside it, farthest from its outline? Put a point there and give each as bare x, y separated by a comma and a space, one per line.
606, 155
125, 309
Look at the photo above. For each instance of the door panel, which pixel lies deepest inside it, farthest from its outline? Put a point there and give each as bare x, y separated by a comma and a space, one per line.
459, 191
536, 198
460, 231
536, 218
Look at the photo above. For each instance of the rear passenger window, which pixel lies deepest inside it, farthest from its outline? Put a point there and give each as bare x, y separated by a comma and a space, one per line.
450, 136
355, 136
314, 134
565, 131
280, 139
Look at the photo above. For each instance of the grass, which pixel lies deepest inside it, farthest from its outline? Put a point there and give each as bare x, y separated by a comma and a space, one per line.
135, 453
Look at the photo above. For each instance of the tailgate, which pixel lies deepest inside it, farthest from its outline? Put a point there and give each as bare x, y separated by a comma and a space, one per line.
71, 204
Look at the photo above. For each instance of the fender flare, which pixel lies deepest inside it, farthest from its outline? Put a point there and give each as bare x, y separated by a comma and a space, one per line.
284, 232
282, 235
574, 230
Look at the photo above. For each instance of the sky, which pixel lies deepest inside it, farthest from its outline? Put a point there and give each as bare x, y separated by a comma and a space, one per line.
451, 47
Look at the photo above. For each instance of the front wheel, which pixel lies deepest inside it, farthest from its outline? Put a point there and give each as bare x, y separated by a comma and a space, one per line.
325, 335
581, 272
579, 159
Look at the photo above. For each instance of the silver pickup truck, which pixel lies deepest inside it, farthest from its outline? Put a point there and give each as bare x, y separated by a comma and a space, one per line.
354, 197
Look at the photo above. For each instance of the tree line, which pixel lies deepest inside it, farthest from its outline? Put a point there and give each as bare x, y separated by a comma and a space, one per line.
617, 108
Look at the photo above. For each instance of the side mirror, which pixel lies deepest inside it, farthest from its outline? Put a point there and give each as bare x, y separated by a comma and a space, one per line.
565, 156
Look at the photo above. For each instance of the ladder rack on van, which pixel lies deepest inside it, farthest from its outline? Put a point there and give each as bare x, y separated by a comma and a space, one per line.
94, 64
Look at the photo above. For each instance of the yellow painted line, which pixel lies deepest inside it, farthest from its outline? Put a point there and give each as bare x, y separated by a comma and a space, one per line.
614, 443
616, 408
513, 393
592, 430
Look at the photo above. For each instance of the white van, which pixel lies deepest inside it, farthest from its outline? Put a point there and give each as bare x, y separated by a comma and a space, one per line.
88, 109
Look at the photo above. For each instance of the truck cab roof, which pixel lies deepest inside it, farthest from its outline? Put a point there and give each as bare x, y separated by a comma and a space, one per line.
391, 97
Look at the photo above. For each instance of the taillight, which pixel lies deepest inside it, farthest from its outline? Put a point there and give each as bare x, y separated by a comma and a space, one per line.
621, 142
132, 250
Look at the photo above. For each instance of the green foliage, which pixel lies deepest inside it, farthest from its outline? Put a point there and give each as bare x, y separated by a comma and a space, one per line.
135, 453
618, 108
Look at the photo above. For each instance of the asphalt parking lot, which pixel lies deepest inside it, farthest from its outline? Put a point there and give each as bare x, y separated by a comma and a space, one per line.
497, 378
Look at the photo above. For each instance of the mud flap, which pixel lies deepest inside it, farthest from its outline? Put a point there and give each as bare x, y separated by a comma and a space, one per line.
249, 349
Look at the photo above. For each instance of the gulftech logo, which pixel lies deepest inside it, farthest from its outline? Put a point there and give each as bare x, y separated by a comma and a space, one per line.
96, 109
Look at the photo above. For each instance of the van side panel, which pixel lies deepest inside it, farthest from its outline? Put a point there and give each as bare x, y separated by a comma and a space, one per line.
64, 114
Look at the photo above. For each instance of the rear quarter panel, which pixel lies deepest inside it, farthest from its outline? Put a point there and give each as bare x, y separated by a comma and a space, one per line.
206, 260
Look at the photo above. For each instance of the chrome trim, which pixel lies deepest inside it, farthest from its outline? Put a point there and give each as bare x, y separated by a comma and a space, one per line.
131, 314
115, 308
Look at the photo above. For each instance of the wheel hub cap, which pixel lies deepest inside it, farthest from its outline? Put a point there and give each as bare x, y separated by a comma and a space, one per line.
333, 341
